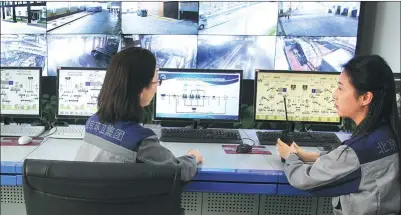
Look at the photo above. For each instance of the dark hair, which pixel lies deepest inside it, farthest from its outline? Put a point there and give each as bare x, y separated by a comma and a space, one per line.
373, 74
129, 72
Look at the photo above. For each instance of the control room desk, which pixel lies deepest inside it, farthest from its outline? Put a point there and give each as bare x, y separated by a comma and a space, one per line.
249, 184
220, 172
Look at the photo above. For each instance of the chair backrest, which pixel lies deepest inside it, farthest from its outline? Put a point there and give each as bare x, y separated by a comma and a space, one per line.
92, 188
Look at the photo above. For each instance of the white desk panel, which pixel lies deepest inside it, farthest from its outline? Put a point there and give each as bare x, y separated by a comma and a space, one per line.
215, 157
57, 149
16, 153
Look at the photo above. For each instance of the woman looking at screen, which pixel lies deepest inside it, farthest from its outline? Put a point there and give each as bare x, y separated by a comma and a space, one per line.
363, 174
114, 133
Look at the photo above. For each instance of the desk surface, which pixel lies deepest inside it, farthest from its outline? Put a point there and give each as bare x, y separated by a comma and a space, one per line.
226, 166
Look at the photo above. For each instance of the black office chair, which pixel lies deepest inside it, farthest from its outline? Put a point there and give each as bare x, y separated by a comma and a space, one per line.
89, 188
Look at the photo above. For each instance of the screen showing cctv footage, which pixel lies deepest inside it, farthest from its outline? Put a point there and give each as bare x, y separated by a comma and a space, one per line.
240, 35
80, 51
160, 17
236, 52
24, 51
238, 18
171, 51
23, 17
83, 17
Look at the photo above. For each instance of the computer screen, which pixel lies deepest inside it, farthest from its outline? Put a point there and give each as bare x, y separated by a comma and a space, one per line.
78, 89
198, 94
309, 96
20, 91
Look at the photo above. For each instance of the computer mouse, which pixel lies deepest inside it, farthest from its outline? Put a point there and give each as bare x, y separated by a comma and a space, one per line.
24, 140
243, 148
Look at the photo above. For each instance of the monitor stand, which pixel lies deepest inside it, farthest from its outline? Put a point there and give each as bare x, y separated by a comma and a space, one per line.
41, 122
8, 120
60, 123
195, 125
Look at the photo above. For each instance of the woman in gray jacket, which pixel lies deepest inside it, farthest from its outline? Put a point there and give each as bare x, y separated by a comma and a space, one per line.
363, 174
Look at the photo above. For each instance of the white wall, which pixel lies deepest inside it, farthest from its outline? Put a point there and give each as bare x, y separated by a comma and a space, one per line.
386, 34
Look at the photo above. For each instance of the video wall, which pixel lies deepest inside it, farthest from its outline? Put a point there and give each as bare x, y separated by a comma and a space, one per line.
306, 36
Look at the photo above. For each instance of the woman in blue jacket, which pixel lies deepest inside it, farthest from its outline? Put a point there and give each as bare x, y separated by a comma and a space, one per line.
114, 133
363, 174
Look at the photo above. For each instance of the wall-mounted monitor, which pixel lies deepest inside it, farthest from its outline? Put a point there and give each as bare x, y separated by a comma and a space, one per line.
23, 17
171, 51
24, 50
235, 35
172, 17
238, 18
69, 17
245, 53
87, 50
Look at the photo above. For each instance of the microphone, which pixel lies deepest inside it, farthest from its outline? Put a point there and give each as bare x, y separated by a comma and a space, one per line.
285, 134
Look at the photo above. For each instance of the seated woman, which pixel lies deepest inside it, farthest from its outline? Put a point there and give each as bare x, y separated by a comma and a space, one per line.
363, 174
114, 133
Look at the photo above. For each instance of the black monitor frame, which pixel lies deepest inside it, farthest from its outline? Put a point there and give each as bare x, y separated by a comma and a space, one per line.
290, 72
40, 93
57, 115
397, 80
222, 71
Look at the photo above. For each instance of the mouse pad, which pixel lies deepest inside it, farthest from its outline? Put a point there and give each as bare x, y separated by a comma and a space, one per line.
261, 150
13, 141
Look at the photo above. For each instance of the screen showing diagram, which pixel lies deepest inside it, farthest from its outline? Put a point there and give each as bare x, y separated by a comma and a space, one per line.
198, 95
78, 91
20, 91
309, 97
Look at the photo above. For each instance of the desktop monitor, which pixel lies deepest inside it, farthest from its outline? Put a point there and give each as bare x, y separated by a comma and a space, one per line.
78, 89
308, 96
198, 94
20, 91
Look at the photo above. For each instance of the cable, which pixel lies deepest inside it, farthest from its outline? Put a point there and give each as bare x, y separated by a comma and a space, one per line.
248, 138
55, 129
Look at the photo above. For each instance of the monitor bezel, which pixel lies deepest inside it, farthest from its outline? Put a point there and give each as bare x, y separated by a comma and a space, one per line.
29, 116
290, 72
397, 81
59, 116
222, 71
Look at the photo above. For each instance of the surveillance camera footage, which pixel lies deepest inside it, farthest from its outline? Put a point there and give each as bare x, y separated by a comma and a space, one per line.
337, 19
238, 18
160, 17
80, 51
236, 52
24, 51
171, 51
325, 54
83, 17
23, 17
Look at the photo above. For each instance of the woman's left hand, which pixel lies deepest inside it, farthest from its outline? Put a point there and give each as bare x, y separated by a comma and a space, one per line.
284, 150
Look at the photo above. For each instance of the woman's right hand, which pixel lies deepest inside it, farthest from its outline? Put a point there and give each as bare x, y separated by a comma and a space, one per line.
195, 153
304, 155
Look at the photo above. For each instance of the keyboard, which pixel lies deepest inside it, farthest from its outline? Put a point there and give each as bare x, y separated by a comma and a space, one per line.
328, 141
70, 132
187, 135
21, 130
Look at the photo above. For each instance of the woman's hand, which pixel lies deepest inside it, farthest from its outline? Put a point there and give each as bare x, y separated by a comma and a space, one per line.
195, 153
305, 156
284, 150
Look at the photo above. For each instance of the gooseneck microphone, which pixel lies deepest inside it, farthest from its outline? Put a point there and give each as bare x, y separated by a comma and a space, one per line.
285, 134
